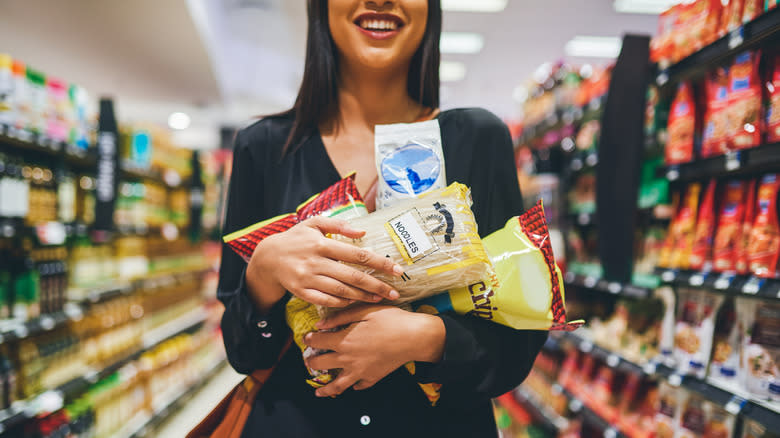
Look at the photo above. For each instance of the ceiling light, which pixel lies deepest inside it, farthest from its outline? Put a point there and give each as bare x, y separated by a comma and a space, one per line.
520, 94
179, 121
451, 71
461, 42
653, 7
594, 46
473, 5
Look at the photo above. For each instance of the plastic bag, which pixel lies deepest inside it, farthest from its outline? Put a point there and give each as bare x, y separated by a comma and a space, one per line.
724, 364
744, 113
716, 123
727, 236
764, 246
694, 330
747, 228
682, 126
772, 87
409, 161
701, 249
759, 323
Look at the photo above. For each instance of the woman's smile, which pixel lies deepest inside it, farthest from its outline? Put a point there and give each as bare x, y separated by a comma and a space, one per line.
379, 26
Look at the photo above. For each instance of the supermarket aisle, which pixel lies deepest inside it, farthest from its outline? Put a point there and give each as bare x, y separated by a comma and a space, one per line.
204, 400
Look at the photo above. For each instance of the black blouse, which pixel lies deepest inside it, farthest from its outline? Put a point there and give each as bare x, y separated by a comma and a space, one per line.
481, 359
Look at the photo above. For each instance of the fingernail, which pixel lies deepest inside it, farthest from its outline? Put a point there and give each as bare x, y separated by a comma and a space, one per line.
394, 295
398, 270
307, 338
318, 393
376, 298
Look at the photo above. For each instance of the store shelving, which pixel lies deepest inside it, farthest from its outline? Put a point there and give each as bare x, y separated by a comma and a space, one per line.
548, 419
610, 287
44, 146
764, 30
724, 283
745, 162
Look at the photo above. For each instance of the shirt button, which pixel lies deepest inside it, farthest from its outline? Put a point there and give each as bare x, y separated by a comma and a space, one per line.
262, 323
365, 420
266, 335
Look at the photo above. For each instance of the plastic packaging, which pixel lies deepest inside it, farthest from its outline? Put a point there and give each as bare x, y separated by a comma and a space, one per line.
759, 323
764, 245
694, 330
747, 227
670, 402
716, 123
682, 231
682, 126
727, 236
6, 90
773, 99
701, 251
744, 113
724, 366
409, 161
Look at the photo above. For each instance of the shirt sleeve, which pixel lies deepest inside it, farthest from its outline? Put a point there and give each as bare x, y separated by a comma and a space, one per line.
483, 359
252, 340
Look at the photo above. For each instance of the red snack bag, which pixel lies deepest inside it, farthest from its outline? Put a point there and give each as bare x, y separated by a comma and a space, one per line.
747, 226
744, 102
701, 250
727, 237
715, 138
685, 226
773, 97
667, 248
731, 15
662, 45
681, 126
764, 245
752, 9
770, 4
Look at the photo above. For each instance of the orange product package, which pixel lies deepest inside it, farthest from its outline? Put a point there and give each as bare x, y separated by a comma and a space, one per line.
745, 124
702, 17
701, 251
747, 226
727, 236
731, 15
773, 99
682, 37
662, 45
769, 4
752, 9
715, 139
685, 227
681, 126
764, 245
667, 248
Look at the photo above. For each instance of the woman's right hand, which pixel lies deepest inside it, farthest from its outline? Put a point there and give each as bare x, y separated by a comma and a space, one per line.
305, 262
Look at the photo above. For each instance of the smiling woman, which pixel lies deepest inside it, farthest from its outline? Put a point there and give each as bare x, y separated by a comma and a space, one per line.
367, 63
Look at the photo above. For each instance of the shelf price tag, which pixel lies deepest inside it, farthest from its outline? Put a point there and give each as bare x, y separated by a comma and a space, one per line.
583, 219
668, 276
575, 405
614, 288
736, 37
675, 380
610, 432
576, 164
696, 280
673, 173
569, 277
586, 347
662, 78
753, 286
613, 360
650, 368
733, 161
724, 281
590, 282
735, 405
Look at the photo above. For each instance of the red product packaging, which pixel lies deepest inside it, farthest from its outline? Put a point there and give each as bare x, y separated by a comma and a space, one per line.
701, 251
744, 113
773, 100
770, 4
684, 228
662, 45
764, 245
747, 226
731, 15
682, 126
715, 138
752, 9
727, 237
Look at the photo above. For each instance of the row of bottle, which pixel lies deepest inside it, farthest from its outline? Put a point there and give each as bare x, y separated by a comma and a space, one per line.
32, 281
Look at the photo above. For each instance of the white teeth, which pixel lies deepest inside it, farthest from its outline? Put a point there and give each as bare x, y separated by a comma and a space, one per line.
378, 25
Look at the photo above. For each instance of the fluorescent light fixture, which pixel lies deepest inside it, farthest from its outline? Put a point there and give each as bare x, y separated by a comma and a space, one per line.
474, 5
594, 47
653, 7
451, 71
179, 121
461, 42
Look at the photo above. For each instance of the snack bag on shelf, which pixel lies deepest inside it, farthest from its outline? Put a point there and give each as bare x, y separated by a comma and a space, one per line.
773, 99
701, 252
759, 325
769, 4
662, 45
669, 409
409, 161
747, 226
727, 236
731, 15
694, 330
753, 429
667, 248
752, 9
715, 138
720, 423
684, 228
724, 364
666, 336
682, 126
764, 245
744, 114
341, 200
701, 22
694, 417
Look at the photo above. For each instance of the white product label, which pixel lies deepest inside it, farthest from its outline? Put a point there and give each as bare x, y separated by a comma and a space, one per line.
411, 235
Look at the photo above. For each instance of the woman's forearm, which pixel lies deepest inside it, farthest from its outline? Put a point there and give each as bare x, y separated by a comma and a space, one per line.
428, 343
263, 289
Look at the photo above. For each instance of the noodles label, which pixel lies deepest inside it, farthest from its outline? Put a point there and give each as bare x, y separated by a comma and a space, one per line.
410, 238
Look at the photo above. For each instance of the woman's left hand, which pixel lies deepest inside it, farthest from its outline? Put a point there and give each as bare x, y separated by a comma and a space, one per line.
374, 342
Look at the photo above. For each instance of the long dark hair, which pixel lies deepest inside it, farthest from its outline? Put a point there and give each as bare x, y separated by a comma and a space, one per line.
318, 96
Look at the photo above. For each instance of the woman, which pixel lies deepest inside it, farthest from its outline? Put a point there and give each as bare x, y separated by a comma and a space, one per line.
367, 63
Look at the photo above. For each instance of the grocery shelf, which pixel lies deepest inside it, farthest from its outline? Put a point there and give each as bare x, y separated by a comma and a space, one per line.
764, 30
726, 283
583, 219
44, 146
735, 401
570, 279
591, 417
549, 419
751, 161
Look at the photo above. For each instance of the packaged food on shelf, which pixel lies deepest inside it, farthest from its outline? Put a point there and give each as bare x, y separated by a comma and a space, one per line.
716, 123
751, 10
724, 365
763, 249
745, 102
701, 418
731, 17
683, 123
772, 86
743, 264
668, 321
682, 229
22, 97
669, 411
6, 90
727, 237
753, 429
60, 112
759, 325
694, 330
701, 250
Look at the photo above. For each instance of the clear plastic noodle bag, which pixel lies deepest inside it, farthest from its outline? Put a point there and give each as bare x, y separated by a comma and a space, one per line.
409, 161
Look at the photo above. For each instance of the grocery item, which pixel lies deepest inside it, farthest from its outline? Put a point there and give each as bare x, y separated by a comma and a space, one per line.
59, 114
759, 324
694, 330
715, 137
773, 99
769, 4
719, 422
682, 126
409, 161
752, 9
341, 200
701, 251
665, 256
662, 45
744, 113
22, 103
693, 418
752, 429
38, 102
764, 246
6, 90
666, 335
434, 237
727, 236
669, 410
682, 232
731, 15
747, 226
724, 364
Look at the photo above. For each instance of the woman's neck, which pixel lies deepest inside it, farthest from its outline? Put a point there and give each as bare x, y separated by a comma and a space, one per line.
370, 98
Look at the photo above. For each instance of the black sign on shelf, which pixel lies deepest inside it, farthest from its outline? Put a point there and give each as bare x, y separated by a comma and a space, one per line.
107, 166
196, 198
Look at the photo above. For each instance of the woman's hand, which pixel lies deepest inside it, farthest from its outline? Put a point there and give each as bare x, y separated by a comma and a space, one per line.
375, 342
306, 263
